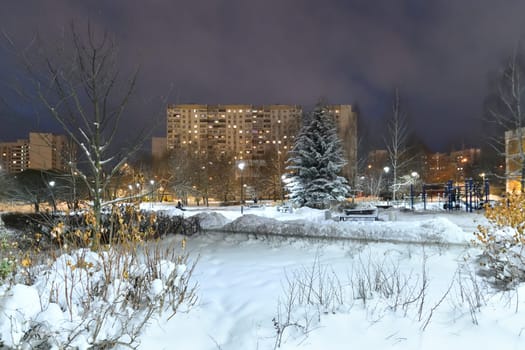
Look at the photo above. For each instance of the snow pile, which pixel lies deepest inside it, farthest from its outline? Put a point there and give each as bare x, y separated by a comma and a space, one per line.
87, 299
435, 230
211, 220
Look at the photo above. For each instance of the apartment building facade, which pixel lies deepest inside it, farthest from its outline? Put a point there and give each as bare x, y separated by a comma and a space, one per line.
14, 156
514, 154
41, 151
249, 132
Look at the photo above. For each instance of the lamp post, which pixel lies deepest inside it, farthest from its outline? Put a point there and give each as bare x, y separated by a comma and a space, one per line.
241, 166
152, 183
51, 185
386, 170
283, 178
415, 176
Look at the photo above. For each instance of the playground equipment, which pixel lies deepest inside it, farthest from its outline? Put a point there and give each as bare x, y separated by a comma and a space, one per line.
471, 194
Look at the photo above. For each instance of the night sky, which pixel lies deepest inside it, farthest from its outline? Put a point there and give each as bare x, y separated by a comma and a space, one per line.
440, 54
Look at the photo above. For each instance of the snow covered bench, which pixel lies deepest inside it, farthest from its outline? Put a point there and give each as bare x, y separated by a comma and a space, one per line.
370, 214
284, 209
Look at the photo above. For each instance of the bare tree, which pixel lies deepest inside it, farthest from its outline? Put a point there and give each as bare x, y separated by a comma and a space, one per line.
222, 175
506, 113
399, 153
80, 86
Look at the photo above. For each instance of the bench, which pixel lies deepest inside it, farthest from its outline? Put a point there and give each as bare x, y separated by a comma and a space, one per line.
358, 218
284, 209
360, 214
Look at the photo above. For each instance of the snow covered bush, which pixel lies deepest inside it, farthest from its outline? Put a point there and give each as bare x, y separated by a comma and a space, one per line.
502, 242
373, 286
95, 298
309, 292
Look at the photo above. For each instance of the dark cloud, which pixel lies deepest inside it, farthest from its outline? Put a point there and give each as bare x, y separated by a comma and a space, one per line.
235, 51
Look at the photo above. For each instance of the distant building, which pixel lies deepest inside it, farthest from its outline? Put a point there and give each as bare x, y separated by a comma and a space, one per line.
377, 159
247, 131
346, 121
456, 165
42, 151
14, 156
251, 132
159, 147
439, 168
514, 140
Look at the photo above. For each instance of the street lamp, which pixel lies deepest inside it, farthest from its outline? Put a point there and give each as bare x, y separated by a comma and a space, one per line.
241, 166
415, 176
152, 183
386, 170
51, 185
283, 178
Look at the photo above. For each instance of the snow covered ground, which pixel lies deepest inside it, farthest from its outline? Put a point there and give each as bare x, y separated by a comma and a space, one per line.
242, 280
379, 293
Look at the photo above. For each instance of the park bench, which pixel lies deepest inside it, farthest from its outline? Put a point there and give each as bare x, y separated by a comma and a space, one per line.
369, 214
284, 208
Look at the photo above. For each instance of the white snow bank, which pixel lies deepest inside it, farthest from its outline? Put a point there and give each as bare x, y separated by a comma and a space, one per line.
434, 230
211, 220
18, 306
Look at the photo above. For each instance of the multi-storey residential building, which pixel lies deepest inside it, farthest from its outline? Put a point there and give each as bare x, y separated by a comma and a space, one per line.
346, 121
514, 141
15, 156
246, 130
439, 168
158, 147
42, 151
250, 132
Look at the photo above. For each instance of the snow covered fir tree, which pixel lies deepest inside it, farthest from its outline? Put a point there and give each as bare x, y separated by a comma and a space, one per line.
316, 161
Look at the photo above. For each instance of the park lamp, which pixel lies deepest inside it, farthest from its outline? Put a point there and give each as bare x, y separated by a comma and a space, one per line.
241, 166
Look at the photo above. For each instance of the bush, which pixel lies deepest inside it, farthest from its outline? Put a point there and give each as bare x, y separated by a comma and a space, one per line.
54, 230
96, 297
502, 242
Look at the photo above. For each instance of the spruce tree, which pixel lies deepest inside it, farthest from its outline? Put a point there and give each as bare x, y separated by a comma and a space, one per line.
316, 161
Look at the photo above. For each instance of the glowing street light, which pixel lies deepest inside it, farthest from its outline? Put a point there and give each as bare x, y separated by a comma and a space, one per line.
51, 185
241, 166
386, 169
